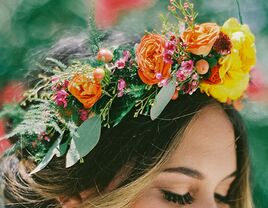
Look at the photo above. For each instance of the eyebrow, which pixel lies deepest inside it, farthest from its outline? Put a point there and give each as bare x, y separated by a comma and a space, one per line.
193, 173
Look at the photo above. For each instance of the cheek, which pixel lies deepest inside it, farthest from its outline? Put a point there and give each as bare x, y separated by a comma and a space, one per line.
151, 199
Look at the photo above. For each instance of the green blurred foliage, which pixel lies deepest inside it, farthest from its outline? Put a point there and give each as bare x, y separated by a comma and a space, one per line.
27, 26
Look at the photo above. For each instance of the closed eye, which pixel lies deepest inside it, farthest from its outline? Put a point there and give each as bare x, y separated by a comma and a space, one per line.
222, 199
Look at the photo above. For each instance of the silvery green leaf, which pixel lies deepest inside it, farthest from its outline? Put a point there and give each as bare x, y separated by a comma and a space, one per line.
72, 155
87, 137
48, 157
162, 99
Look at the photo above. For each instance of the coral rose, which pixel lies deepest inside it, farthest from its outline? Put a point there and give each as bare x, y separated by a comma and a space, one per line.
87, 91
150, 59
200, 39
233, 74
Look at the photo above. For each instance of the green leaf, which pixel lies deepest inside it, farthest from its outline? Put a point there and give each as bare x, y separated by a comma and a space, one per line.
212, 62
122, 106
50, 154
72, 155
162, 99
62, 149
87, 138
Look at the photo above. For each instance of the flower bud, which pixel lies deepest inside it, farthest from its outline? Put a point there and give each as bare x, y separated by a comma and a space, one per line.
175, 95
99, 74
105, 55
202, 66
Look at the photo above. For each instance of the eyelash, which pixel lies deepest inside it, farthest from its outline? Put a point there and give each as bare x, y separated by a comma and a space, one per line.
176, 198
188, 199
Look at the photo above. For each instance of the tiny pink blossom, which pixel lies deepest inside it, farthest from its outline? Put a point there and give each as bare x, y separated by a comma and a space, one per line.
158, 76
126, 55
121, 63
65, 84
121, 87
168, 56
61, 98
195, 76
83, 114
181, 75
193, 86
163, 83
46, 138
55, 79
187, 65
170, 46
185, 5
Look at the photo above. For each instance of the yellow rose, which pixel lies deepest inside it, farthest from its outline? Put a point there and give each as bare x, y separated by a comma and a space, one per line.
234, 68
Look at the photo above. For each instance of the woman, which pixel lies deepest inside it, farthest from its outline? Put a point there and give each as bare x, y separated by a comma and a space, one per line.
150, 151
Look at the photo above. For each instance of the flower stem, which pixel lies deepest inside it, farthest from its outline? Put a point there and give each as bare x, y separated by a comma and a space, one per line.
239, 11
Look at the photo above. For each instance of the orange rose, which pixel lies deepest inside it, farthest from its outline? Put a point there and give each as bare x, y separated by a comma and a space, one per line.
87, 91
201, 39
149, 53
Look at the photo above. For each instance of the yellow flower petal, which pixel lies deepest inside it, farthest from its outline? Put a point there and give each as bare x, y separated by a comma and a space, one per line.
235, 67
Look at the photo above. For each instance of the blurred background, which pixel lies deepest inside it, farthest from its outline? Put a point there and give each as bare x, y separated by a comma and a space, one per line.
30, 26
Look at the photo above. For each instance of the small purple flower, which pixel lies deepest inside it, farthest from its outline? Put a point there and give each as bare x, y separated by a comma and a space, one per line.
121, 63
187, 65
126, 55
83, 114
121, 87
61, 98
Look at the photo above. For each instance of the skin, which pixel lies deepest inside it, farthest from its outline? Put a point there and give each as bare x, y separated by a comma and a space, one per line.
203, 165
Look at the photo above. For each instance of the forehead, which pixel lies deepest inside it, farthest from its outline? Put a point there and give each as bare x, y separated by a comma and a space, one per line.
208, 144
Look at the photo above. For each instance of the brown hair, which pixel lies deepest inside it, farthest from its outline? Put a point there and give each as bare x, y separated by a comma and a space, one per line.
138, 145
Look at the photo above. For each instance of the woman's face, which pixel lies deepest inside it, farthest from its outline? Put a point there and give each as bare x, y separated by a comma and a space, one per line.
201, 170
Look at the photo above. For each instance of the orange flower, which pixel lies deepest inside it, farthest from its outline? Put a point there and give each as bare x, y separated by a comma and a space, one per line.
201, 39
87, 91
149, 53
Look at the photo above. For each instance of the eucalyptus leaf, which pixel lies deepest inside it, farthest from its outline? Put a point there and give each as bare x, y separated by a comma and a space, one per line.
62, 149
162, 99
72, 155
87, 138
50, 154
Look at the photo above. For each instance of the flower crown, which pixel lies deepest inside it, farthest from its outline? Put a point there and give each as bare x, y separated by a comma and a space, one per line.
68, 109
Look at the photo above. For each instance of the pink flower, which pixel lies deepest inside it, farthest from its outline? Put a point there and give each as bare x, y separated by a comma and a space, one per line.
121, 87
158, 76
83, 114
181, 75
195, 76
163, 82
170, 46
121, 63
55, 79
185, 5
126, 55
65, 84
187, 65
168, 56
192, 87
61, 98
